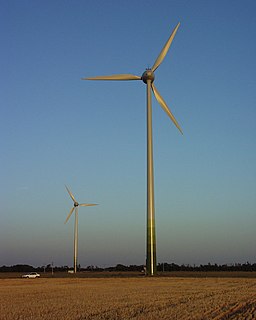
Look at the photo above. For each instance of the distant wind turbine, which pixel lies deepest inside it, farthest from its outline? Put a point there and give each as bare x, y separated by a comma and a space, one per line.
75, 207
148, 78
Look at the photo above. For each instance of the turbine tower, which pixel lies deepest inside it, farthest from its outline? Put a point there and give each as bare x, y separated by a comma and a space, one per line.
75, 207
148, 78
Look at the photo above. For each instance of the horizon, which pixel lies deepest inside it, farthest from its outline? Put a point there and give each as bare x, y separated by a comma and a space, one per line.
159, 264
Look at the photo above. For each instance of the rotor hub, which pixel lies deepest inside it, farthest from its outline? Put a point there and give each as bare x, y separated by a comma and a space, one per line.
148, 75
76, 204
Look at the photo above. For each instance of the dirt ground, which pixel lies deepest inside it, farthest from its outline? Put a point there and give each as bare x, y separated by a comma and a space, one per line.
137, 298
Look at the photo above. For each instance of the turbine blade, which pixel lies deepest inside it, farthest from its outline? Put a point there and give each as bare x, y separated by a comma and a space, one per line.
71, 211
71, 195
164, 106
115, 77
165, 49
87, 204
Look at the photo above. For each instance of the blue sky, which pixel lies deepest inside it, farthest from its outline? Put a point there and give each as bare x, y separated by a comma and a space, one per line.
56, 129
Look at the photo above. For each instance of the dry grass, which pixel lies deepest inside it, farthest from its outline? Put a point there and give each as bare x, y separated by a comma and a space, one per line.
128, 298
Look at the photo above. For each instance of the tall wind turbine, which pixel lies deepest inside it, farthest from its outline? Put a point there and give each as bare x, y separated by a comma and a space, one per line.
148, 78
75, 207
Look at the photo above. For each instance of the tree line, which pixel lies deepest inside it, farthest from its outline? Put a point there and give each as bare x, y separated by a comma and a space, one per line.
161, 267
207, 267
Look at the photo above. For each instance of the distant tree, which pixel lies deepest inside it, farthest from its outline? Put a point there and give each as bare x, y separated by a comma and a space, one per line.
121, 267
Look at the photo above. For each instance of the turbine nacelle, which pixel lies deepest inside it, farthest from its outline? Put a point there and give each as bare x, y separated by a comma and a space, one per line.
148, 75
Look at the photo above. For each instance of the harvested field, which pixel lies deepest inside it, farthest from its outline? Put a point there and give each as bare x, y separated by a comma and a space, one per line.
128, 298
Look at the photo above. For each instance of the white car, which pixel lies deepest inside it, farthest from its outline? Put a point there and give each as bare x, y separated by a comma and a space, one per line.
31, 275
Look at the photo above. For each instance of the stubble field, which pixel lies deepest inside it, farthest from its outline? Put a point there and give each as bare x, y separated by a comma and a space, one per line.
137, 298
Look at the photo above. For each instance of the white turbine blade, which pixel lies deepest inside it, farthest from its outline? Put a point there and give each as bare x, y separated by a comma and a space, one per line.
71, 195
71, 211
87, 204
115, 77
165, 49
165, 107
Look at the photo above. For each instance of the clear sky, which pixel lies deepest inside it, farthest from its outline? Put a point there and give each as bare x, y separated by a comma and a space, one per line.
56, 129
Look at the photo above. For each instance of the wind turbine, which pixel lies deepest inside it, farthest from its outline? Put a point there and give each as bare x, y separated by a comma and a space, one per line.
75, 207
148, 78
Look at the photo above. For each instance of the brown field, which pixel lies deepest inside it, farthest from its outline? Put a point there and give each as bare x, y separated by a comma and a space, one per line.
134, 298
